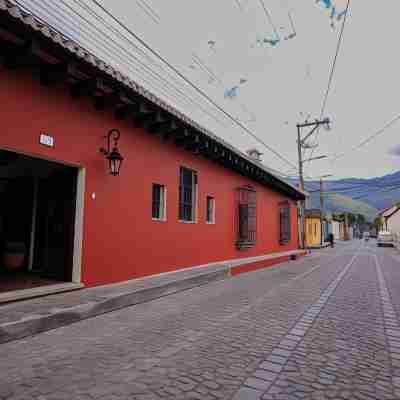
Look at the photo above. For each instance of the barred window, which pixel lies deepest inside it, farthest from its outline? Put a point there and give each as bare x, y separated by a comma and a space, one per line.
247, 217
187, 194
159, 202
284, 217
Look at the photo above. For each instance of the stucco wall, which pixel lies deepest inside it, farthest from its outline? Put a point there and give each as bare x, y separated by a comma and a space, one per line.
393, 224
336, 230
121, 241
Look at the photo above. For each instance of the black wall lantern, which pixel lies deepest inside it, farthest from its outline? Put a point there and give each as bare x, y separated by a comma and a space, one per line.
113, 155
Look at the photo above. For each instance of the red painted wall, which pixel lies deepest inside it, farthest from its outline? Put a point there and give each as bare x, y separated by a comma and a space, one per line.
120, 239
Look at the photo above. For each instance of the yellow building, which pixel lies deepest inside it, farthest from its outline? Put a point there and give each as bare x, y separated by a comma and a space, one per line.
313, 228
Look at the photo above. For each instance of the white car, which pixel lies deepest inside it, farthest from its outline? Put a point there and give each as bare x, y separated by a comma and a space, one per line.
385, 238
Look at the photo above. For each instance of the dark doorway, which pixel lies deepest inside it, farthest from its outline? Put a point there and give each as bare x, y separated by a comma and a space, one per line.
37, 218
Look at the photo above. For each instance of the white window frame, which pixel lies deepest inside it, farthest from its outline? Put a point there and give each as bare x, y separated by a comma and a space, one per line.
163, 203
212, 222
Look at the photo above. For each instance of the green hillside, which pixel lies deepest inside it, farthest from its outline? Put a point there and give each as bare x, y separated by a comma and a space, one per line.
338, 203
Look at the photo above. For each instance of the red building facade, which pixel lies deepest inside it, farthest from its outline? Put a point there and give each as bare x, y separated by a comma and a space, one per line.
136, 224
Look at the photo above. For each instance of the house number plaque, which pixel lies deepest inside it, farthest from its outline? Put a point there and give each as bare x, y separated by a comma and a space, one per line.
46, 140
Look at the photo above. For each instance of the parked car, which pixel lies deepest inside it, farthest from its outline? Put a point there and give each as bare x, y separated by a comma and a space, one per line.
385, 238
373, 235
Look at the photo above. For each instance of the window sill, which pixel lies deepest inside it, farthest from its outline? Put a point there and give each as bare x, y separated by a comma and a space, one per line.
187, 222
210, 223
244, 245
159, 220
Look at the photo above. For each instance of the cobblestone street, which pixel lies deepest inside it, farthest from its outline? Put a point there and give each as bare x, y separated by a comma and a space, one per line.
322, 327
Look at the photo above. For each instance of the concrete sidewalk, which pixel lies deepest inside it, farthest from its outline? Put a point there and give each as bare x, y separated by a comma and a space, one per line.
319, 246
29, 317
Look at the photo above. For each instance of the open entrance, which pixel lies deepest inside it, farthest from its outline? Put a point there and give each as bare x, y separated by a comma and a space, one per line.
37, 219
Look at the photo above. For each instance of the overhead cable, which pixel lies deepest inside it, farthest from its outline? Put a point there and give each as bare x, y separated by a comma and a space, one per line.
227, 114
370, 138
333, 68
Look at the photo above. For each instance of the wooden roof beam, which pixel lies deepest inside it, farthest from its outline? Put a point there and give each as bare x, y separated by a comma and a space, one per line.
50, 74
164, 127
16, 56
182, 136
87, 87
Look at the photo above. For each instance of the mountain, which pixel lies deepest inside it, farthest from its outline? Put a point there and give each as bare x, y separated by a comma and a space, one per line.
339, 203
355, 195
379, 192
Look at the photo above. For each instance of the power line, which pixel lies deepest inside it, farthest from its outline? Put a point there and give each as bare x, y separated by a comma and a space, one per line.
281, 157
371, 137
183, 95
161, 86
351, 189
277, 154
148, 11
213, 76
239, 5
258, 139
333, 67
364, 185
269, 18
390, 189
338, 47
232, 118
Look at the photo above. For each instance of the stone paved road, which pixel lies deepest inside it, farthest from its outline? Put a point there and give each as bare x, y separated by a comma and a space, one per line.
325, 327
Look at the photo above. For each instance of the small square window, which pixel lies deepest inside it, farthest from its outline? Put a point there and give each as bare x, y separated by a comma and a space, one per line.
159, 202
210, 217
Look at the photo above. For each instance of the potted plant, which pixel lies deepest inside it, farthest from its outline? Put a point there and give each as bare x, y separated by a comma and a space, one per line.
14, 255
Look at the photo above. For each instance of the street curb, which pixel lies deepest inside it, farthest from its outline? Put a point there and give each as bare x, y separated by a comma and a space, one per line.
34, 324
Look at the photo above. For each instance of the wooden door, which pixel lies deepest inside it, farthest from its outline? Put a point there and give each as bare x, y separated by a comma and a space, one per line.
55, 224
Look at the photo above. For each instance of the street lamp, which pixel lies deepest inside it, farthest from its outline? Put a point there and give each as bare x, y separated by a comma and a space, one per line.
113, 155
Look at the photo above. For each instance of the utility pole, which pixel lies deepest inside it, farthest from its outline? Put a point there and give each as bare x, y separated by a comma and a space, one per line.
321, 194
299, 150
301, 143
301, 179
321, 204
301, 203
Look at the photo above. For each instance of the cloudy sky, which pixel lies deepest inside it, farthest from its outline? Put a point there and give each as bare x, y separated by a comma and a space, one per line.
220, 45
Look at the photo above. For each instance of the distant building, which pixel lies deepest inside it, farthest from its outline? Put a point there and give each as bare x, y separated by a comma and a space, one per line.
336, 229
390, 220
313, 233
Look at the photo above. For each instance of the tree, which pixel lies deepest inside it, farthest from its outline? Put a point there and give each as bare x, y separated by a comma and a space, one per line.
377, 224
361, 220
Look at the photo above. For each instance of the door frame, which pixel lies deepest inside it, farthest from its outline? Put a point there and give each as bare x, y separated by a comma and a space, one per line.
79, 208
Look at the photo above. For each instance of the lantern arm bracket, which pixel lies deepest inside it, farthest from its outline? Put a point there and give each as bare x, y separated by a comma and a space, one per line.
112, 154
113, 132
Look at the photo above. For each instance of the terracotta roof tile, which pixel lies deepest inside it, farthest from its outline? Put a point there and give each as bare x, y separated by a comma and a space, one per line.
38, 25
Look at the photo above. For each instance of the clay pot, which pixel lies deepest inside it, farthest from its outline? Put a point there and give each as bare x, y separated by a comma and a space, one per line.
14, 255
